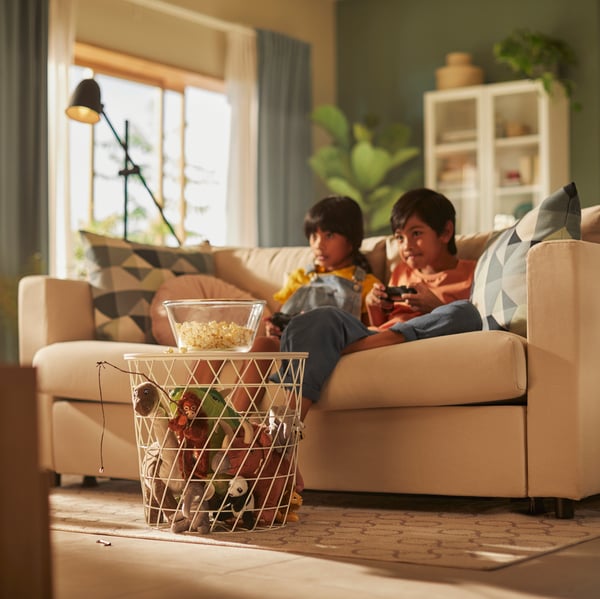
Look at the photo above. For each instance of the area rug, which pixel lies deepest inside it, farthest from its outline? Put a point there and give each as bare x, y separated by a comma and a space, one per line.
471, 533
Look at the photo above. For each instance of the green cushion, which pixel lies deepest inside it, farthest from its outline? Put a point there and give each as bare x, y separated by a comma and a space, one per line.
499, 288
124, 277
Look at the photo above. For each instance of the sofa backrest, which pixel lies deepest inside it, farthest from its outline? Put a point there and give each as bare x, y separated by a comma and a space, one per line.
263, 271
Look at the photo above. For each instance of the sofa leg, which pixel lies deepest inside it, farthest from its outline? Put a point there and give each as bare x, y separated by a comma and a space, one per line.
89, 481
536, 506
565, 508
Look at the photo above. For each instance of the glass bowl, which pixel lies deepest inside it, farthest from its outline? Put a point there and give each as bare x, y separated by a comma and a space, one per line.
214, 325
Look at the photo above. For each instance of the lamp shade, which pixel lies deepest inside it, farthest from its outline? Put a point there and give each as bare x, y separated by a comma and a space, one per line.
85, 105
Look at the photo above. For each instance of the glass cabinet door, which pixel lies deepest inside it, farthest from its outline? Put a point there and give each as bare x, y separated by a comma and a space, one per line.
496, 150
452, 132
516, 154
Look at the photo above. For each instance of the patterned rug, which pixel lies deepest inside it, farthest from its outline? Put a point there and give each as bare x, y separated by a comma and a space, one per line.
472, 533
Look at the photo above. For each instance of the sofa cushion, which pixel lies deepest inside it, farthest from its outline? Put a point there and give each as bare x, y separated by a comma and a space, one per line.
492, 367
590, 224
190, 287
124, 277
499, 288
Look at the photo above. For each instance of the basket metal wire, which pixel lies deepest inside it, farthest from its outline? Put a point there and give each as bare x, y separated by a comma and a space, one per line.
204, 465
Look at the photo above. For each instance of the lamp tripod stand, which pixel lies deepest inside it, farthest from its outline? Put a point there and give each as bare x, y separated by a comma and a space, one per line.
85, 106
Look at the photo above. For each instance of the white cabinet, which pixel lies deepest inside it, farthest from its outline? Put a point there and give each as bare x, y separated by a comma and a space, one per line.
496, 150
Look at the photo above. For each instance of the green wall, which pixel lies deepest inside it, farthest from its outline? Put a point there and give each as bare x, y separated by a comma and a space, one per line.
388, 51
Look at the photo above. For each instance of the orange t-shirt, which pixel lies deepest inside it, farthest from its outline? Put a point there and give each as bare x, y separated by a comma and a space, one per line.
448, 285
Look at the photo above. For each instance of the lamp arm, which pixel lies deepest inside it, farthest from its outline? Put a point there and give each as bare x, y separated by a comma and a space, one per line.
136, 170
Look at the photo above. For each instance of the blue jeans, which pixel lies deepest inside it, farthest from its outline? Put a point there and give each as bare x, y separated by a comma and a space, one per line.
325, 332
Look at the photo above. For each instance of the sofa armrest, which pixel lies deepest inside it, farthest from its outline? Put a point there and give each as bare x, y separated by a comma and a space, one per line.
563, 404
52, 310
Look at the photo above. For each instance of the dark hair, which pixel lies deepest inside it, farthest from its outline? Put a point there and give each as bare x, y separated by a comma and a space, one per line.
430, 206
342, 215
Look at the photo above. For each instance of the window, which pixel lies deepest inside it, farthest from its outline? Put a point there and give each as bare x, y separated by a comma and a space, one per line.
178, 133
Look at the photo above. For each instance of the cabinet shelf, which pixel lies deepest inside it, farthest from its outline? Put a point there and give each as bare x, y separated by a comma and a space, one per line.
518, 141
481, 138
513, 190
456, 148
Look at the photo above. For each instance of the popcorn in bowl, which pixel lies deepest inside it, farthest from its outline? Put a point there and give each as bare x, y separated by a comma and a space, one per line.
214, 325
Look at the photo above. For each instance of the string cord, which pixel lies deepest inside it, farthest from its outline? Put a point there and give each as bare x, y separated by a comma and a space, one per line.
101, 365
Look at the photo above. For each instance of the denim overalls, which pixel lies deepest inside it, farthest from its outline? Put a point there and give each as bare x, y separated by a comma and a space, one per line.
328, 290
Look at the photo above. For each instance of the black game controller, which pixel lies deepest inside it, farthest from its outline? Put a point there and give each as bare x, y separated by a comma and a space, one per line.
397, 292
281, 319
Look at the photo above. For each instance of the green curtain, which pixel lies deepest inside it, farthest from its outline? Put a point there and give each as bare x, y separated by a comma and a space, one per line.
23, 155
285, 182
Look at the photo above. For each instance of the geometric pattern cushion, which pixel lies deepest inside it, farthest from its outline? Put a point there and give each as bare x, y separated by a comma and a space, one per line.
499, 288
124, 277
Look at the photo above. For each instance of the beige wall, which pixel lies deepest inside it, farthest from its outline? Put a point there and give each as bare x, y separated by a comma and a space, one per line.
131, 28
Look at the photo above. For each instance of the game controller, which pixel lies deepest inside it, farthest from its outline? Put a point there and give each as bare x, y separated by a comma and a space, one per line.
393, 292
281, 319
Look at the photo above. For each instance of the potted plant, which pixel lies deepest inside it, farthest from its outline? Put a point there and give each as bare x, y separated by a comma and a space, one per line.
359, 161
536, 55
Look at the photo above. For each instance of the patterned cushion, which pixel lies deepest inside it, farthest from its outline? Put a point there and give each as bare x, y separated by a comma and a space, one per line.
499, 289
124, 277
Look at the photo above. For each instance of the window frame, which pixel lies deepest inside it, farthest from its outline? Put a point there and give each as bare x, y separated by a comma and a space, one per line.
114, 63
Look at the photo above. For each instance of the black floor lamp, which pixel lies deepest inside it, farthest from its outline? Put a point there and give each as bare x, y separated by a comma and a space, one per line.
85, 106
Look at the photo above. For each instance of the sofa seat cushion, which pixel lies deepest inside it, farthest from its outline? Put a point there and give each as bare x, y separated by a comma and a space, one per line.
471, 368
69, 369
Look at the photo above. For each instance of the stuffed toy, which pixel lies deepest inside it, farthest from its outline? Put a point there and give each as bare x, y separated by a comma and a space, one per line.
237, 505
295, 503
243, 452
195, 508
273, 481
157, 466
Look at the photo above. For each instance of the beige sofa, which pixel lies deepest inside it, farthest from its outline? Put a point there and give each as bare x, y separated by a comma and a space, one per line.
501, 416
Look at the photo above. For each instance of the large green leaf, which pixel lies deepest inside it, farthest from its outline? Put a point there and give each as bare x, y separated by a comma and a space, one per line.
394, 137
333, 120
369, 164
362, 132
344, 188
379, 222
330, 161
403, 155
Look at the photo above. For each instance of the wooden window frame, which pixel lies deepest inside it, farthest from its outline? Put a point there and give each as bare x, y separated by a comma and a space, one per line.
119, 64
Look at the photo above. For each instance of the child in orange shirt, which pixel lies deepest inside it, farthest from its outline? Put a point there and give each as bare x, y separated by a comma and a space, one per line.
423, 224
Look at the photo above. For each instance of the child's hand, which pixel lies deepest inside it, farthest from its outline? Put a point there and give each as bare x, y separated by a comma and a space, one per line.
423, 301
271, 330
378, 299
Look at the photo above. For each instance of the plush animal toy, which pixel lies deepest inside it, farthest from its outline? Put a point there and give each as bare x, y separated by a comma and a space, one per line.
295, 503
195, 508
238, 504
200, 411
243, 452
191, 427
158, 471
274, 479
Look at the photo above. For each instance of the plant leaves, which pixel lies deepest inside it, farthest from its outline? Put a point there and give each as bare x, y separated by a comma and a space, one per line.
333, 120
342, 187
330, 161
380, 215
394, 137
362, 132
403, 155
369, 164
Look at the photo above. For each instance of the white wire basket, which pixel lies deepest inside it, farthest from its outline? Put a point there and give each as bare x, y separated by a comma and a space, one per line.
206, 466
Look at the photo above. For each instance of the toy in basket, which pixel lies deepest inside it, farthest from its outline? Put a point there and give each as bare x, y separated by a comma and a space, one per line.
205, 466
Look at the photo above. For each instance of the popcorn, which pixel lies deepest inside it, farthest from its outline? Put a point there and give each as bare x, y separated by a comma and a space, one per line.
195, 335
